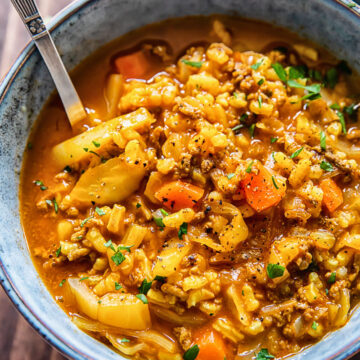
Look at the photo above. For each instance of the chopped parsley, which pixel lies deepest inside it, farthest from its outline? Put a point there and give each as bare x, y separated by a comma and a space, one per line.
40, 184
252, 130
257, 65
86, 149
159, 222
243, 117
29, 146
67, 169
260, 82
99, 211
351, 5
274, 140
145, 287
335, 106
314, 88
280, 71
143, 298
117, 286
342, 121
58, 252
263, 354
164, 212
296, 153
56, 206
195, 64
118, 258
322, 140
230, 176
84, 278
191, 353
274, 182
62, 282
124, 340
182, 230
138, 205
326, 166
86, 220
96, 144
110, 245
275, 270
124, 247
314, 325
237, 127
332, 278
160, 278
349, 110
260, 101
331, 78
297, 72
249, 168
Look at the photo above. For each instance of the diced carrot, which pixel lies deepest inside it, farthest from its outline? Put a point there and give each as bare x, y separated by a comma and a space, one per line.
261, 189
333, 196
211, 345
177, 195
132, 66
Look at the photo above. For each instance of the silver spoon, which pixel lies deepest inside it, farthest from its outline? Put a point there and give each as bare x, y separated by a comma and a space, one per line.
29, 14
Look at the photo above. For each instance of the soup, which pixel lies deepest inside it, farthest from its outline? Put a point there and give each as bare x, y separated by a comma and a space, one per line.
208, 207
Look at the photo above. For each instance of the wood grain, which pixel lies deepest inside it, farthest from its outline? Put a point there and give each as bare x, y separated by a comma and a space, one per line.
18, 341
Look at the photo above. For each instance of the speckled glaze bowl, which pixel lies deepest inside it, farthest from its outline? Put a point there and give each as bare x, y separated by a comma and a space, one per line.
79, 30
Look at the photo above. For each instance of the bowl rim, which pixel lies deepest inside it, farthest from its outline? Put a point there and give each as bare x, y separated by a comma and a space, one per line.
10, 290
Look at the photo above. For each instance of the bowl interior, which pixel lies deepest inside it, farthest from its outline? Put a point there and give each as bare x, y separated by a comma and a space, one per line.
78, 31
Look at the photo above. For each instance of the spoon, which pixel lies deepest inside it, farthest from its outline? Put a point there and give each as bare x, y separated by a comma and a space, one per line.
33, 21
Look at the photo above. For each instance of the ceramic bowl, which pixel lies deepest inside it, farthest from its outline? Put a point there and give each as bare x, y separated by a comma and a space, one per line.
80, 29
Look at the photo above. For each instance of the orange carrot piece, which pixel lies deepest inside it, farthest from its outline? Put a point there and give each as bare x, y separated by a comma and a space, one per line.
333, 196
177, 195
132, 66
261, 189
211, 345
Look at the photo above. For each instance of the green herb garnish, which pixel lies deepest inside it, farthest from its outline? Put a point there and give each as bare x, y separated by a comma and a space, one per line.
257, 65
230, 176
99, 211
124, 340
275, 270
260, 101
322, 140
56, 206
342, 121
118, 258
252, 130
296, 153
84, 278
195, 64
86, 220
182, 230
191, 353
110, 245
58, 252
160, 278
280, 71
138, 205
331, 78
143, 298
274, 140
274, 182
260, 82
117, 286
145, 287
326, 166
62, 282
263, 354
67, 169
249, 168
314, 325
96, 144
335, 106
164, 212
332, 278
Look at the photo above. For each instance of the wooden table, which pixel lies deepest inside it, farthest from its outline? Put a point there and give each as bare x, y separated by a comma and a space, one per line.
18, 341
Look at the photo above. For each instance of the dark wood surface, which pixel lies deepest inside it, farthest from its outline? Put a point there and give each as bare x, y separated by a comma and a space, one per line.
18, 341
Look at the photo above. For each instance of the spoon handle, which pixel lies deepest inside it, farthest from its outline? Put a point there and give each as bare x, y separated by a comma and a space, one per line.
33, 21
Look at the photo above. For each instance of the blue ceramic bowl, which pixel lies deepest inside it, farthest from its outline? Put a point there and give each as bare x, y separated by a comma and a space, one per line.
78, 31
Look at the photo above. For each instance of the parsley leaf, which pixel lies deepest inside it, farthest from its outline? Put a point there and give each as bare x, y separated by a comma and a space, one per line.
124, 340
117, 286
143, 298
99, 211
96, 144
191, 353
322, 140
280, 71
252, 130
274, 182
331, 78
257, 65
58, 252
296, 153
249, 168
62, 282
237, 127
182, 230
326, 166
85, 221
56, 206
335, 106
342, 121
297, 72
67, 169
274, 140
138, 205
160, 278
332, 278
110, 245
195, 64
118, 258
275, 270
314, 88
314, 325
164, 212
145, 287
230, 176
124, 247
260, 101
263, 354
260, 82
84, 278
